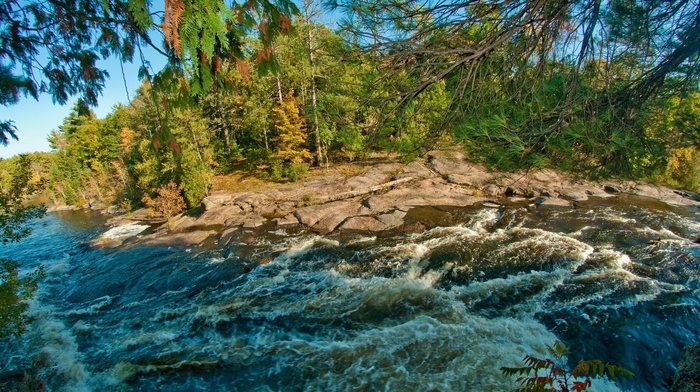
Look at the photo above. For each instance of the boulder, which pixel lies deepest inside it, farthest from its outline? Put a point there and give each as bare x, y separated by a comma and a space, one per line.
254, 221
552, 201
181, 239
112, 210
646, 190
598, 192
287, 220
362, 223
435, 192
445, 164
213, 201
576, 193
374, 223
548, 177
325, 218
392, 220
217, 216
374, 176
491, 190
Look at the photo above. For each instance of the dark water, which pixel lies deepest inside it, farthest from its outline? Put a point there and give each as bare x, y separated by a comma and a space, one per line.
440, 309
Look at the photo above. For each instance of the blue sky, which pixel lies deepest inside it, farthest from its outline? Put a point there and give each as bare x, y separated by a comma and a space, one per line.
35, 119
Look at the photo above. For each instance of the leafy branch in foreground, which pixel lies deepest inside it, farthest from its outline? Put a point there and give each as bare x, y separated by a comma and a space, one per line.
16, 288
14, 211
552, 374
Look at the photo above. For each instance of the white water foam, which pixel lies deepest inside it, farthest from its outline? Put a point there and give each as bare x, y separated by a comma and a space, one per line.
124, 231
59, 353
545, 245
96, 306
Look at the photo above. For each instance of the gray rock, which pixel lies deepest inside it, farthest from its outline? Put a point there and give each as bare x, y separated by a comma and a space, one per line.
254, 221
325, 218
374, 176
577, 193
547, 176
445, 164
552, 201
415, 170
112, 210
392, 220
362, 223
491, 190
235, 220
646, 191
213, 201
181, 239
598, 192
287, 220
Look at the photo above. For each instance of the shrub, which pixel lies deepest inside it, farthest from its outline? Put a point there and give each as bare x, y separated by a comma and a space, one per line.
553, 375
169, 201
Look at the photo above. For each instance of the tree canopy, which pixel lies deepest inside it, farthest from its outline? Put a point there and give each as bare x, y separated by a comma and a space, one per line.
593, 61
54, 46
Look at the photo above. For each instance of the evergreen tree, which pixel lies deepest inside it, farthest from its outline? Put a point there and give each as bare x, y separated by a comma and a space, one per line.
531, 81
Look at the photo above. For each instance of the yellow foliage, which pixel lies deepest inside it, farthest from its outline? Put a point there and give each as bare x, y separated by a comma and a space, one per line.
683, 168
169, 201
127, 137
291, 129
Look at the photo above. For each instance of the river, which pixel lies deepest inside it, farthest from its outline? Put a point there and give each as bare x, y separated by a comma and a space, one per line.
435, 308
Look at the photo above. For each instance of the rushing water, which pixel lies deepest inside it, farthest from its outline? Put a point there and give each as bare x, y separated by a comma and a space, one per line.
437, 308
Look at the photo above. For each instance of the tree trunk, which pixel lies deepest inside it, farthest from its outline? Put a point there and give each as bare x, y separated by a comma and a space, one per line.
279, 88
224, 125
314, 106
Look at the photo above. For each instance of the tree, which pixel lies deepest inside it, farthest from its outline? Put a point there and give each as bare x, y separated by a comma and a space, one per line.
504, 52
15, 288
291, 138
53, 46
309, 14
168, 202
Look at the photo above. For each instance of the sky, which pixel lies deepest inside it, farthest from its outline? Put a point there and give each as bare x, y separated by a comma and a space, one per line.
36, 119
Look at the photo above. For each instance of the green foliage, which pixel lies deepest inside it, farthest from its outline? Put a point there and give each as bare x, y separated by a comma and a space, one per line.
54, 47
683, 169
15, 290
552, 374
82, 168
17, 185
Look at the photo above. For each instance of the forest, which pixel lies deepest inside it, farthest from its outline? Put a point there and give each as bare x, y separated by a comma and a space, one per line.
595, 88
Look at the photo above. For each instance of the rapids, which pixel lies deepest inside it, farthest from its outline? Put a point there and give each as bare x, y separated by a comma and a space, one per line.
440, 307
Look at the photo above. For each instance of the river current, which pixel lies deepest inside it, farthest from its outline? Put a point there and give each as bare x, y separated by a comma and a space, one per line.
439, 307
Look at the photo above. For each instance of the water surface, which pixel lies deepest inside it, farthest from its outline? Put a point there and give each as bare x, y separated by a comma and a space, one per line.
437, 306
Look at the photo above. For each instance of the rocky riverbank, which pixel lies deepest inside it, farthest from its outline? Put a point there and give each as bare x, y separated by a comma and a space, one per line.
378, 199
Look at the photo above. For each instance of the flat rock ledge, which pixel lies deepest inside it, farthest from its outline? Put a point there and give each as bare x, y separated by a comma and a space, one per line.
379, 198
